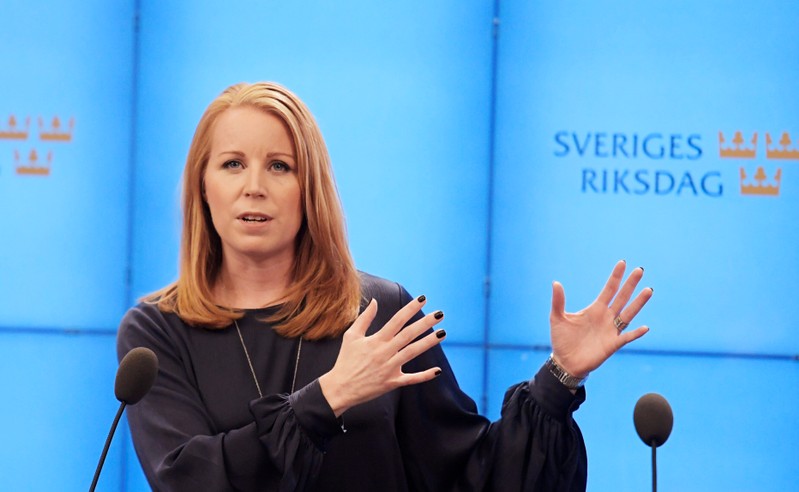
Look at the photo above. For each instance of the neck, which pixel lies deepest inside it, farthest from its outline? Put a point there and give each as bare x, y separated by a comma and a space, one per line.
247, 284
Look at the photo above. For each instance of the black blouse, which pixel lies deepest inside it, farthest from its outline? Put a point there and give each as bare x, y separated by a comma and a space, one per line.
204, 427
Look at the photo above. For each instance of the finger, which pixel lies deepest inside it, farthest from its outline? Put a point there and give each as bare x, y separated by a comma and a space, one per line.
558, 301
627, 290
631, 311
625, 338
415, 330
413, 350
612, 285
364, 320
419, 377
401, 317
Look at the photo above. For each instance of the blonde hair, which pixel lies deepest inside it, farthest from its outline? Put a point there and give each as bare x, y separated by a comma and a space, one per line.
324, 295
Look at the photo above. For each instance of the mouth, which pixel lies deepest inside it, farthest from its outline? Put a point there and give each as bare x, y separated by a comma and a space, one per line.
254, 218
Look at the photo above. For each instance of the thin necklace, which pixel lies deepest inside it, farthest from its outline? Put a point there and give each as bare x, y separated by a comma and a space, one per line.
252, 371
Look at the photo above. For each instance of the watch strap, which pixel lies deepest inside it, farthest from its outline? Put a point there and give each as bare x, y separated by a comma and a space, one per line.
569, 381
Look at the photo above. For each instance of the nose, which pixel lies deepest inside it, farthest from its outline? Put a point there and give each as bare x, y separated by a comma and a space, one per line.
254, 185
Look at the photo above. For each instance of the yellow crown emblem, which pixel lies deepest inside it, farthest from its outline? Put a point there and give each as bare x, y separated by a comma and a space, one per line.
55, 133
760, 187
14, 133
32, 167
785, 152
737, 150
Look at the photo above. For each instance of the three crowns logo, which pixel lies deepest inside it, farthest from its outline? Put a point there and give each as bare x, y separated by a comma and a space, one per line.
759, 183
33, 164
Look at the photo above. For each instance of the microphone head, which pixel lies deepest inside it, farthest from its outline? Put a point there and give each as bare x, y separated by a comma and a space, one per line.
653, 419
136, 375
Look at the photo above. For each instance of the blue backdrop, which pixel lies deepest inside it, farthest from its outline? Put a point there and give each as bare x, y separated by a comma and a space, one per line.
482, 150
615, 139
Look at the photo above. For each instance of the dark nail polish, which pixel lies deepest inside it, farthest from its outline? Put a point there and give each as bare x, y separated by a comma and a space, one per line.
642, 268
652, 289
439, 315
441, 333
421, 298
438, 372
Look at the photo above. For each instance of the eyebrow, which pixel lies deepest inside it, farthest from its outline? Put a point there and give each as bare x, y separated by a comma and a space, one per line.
269, 155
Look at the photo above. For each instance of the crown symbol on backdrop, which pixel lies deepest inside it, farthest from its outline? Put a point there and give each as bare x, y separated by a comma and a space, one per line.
55, 132
737, 150
32, 167
14, 133
785, 143
760, 188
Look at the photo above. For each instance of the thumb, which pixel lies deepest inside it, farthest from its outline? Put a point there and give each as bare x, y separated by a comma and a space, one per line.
558, 300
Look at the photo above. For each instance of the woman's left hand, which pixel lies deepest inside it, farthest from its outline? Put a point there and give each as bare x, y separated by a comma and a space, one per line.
582, 341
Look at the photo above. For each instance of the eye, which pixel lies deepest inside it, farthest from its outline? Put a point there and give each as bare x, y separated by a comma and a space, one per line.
280, 167
232, 164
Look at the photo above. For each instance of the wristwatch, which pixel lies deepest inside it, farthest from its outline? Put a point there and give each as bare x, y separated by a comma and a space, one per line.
564, 377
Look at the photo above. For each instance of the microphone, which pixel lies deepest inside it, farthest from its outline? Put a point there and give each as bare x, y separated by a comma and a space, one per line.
653, 422
135, 376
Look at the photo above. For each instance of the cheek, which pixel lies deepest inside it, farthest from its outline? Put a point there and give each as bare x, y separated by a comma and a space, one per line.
292, 200
300, 211
213, 198
209, 200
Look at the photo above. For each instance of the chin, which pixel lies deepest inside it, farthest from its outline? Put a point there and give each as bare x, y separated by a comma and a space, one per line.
262, 255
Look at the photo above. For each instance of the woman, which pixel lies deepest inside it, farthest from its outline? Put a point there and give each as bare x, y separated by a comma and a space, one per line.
283, 368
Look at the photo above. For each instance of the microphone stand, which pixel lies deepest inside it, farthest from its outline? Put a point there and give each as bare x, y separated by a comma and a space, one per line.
107, 445
654, 467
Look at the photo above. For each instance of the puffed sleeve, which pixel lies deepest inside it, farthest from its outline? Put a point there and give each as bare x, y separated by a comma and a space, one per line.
534, 446
181, 450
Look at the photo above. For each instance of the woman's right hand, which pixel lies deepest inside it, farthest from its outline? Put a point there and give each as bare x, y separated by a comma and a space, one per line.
370, 366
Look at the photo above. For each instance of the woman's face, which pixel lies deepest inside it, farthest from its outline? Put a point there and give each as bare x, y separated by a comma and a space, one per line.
251, 186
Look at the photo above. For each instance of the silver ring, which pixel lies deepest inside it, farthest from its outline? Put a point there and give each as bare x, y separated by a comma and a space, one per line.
620, 324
